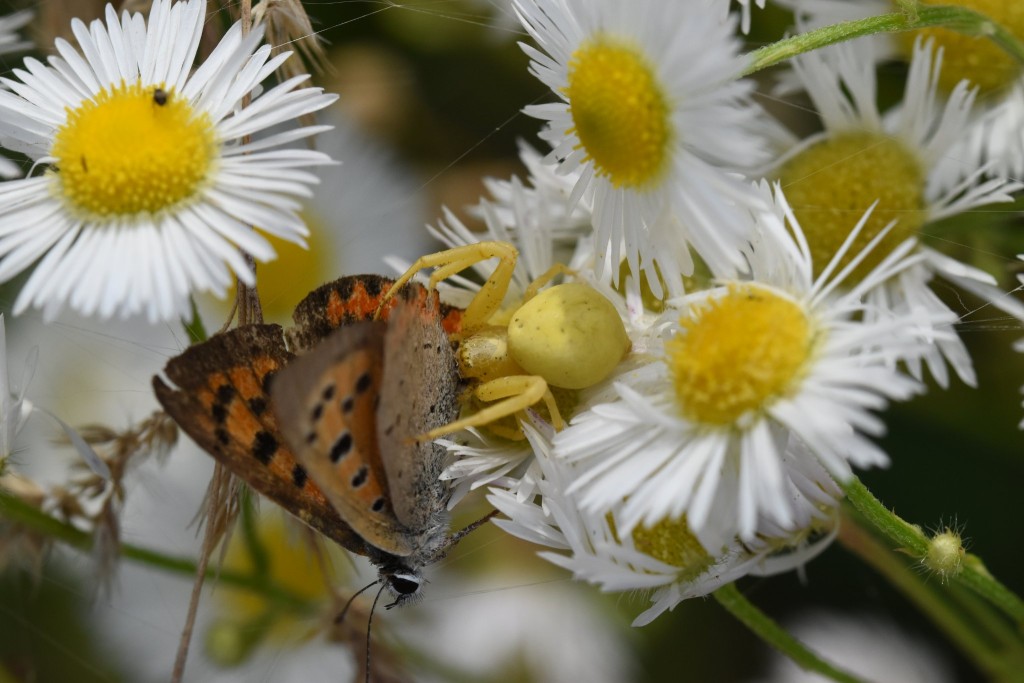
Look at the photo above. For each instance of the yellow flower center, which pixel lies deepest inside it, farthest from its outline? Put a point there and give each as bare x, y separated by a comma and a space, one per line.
975, 58
737, 353
671, 542
620, 112
832, 183
132, 149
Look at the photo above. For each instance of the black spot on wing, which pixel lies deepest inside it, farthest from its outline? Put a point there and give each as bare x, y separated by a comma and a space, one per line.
299, 476
341, 447
225, 392
317, 412
377, 505
257, 404
348, 404
222, 398
264, 445
328, 392
360, 476
222, 435
363, 383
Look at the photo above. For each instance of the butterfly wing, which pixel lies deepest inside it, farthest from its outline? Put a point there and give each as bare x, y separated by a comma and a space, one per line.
419, 392
222, 403
326, 403
352, 299
345, 301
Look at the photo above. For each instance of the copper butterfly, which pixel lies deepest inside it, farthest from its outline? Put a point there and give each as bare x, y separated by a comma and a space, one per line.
321, 418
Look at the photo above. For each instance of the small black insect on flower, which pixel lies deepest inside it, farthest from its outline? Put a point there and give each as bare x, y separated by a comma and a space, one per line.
160, 96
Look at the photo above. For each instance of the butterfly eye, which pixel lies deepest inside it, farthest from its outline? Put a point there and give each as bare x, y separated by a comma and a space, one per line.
404, 585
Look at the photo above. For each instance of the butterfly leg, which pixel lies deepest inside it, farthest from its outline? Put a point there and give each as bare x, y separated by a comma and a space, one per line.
454, 539
517, 392
452, 261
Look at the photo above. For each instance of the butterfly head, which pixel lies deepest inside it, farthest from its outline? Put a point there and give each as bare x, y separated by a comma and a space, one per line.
401, 577
404, 585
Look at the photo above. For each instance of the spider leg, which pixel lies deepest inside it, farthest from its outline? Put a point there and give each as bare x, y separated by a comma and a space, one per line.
451, 261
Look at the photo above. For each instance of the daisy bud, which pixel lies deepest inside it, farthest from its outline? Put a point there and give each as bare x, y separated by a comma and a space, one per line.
945, 554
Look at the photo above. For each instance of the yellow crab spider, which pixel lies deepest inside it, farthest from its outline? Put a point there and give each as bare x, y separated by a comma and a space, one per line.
568, 336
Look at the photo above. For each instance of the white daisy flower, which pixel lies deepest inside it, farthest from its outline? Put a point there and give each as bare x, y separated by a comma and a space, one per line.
152, 183
905, 160
666, 558
655, 121
994, 137
699, 427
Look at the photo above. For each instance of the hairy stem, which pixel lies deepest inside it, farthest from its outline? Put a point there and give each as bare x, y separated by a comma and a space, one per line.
913, 16
967, 636
910, 539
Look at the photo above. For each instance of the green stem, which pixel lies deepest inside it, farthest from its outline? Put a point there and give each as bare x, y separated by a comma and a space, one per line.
912, 18
736, 604
912, 540
16, 510
858, 540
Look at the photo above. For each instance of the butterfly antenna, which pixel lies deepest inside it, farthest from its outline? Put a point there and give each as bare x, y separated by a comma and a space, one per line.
344, 610
369, 624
